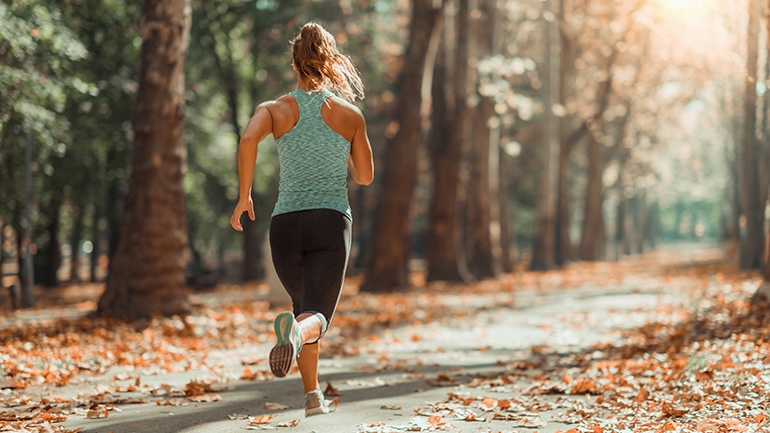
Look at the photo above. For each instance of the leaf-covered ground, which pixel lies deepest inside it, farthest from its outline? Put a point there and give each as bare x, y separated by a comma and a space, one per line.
697, 366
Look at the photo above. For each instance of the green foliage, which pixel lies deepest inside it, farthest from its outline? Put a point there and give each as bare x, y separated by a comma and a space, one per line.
688, 219
38, 57
68, 73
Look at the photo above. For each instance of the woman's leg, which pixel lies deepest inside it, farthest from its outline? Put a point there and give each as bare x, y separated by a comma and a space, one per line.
310, 329
326, 241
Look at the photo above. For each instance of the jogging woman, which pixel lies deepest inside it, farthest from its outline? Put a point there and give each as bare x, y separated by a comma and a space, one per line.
320, 138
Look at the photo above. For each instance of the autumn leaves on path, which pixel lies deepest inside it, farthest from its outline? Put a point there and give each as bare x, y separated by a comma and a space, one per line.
662, 342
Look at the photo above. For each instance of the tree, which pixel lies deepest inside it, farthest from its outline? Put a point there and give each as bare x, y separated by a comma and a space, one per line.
389, 251
481, 245
752, 243
543, 248
147, 273
449, 132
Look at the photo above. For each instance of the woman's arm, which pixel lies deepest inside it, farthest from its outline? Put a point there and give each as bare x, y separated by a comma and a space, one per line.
259, 126
361, 162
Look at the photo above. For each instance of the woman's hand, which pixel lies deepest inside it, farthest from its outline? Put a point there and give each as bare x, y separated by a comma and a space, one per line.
242, 206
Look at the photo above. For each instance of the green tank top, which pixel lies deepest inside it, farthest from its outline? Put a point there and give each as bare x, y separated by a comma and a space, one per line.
313, 161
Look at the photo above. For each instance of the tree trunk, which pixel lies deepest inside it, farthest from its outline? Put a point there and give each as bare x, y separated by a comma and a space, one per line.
562, 242
148, 268
2, 253
640, 219
482, 230
752, 243
482, 263
97, 235
389, 254
508, 252
77, 234
621, 240
767, 238
546, 206
48, 258
444, 259
592, 241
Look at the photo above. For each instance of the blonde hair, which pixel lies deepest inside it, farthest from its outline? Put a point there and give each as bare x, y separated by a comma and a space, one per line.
318, 60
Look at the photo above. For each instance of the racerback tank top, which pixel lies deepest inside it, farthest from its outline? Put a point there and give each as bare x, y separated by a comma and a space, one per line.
313, 161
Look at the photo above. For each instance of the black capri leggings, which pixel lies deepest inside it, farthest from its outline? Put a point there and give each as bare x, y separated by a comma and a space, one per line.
310, 251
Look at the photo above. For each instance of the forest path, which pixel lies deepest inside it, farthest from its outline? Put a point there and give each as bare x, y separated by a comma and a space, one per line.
431, 375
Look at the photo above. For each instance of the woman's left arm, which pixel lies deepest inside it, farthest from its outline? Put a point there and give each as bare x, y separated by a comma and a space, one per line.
259, 126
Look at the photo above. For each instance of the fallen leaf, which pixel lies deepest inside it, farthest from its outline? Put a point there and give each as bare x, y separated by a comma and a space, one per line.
262, 419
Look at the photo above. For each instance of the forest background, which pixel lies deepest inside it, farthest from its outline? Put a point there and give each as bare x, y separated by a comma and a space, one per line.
506, 133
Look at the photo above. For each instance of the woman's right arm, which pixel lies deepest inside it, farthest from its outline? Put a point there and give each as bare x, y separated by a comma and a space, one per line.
259, 126
361, 162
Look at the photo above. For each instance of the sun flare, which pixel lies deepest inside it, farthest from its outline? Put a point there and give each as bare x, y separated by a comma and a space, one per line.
683, 5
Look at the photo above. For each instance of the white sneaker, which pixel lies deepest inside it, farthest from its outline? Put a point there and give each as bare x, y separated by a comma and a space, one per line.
316, 404
286, 350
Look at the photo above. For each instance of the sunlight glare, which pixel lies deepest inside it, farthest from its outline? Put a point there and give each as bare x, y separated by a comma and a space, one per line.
683, 5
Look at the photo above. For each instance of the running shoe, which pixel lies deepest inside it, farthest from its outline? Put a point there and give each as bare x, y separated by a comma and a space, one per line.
316, 404
286, 350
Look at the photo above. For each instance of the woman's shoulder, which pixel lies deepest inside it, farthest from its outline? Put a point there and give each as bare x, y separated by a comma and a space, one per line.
344, 107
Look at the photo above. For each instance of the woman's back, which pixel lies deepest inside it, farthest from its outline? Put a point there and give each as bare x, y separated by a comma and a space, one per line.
313, 157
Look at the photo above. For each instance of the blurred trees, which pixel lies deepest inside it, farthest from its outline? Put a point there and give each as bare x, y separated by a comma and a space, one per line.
531, 133
38, 54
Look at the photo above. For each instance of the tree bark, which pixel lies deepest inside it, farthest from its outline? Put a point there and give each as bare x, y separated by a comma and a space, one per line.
444, 259
77, 233
752, 243
148, 269
482, 224
543, 256
49, 257
388, 258
592, 240
767, 239
568, 50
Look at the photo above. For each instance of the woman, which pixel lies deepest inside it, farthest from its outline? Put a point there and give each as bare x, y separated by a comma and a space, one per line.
320, 137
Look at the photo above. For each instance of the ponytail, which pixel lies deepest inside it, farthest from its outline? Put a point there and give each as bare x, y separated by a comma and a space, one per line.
320, 63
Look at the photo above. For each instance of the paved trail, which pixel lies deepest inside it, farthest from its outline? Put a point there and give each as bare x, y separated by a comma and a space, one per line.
391, 385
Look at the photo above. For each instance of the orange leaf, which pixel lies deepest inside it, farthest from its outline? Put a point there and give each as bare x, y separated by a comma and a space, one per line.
435, 420
489, 402
263, 419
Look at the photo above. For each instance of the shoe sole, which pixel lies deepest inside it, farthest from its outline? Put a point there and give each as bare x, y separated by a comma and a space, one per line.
282, 354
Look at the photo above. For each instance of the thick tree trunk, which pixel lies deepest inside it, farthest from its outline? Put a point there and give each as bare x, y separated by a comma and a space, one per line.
148, 268
592, 241
482, 263
546, 206
445, 261
389, 254
482, 224
752, 243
